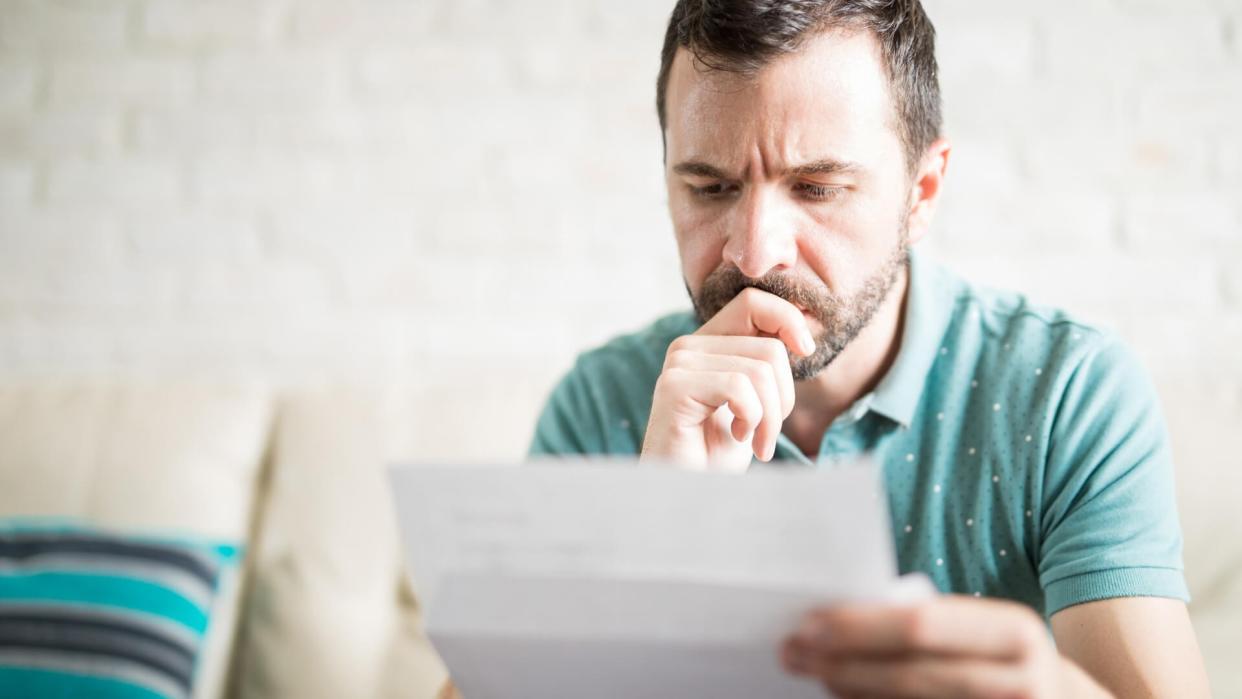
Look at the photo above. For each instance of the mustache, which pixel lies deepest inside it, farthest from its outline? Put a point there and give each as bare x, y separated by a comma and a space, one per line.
725, 283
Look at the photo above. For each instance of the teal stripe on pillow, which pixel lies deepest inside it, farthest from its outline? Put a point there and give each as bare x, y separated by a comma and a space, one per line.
86, 612
51, 684
104, 590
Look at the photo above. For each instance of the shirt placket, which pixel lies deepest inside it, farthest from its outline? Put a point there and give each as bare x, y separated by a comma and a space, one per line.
843, 440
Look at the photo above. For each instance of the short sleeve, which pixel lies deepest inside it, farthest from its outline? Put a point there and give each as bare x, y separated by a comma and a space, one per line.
568, 424
1109, 525
601, 407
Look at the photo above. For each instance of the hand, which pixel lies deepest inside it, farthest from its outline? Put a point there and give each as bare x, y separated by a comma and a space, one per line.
448, 691
725, 391
951, 646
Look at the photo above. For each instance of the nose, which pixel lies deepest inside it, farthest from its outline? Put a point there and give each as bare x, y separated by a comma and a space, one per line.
760, 234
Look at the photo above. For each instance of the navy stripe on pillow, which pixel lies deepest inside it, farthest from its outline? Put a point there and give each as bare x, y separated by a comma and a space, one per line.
85, 612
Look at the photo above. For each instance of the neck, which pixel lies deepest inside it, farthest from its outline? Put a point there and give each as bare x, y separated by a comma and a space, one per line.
855, 372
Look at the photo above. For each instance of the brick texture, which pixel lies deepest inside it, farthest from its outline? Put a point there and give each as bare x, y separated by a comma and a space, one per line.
460, 191
459, 195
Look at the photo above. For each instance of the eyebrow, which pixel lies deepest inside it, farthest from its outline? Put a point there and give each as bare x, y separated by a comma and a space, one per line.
827, 166
698, 168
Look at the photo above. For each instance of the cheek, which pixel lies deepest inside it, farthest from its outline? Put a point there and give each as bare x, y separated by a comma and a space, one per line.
847, 244
699, 243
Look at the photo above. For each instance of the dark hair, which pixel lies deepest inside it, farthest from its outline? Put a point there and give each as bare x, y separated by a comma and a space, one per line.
741, 36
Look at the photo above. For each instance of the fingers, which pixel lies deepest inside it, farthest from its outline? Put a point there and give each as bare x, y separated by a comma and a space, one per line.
923, 677
739, 359
754, 312
763, 360
951, 647
949, 625
775, 404
698, 394
765, 349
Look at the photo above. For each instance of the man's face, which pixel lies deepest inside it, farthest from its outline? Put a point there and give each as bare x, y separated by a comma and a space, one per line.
793, 180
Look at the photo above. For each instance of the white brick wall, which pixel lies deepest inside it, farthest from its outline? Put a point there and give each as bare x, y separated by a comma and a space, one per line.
461, 194
453, 192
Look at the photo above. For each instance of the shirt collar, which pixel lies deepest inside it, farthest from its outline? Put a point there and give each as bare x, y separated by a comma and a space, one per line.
929, 308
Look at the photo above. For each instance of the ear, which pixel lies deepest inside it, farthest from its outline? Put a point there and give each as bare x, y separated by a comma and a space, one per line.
926, 187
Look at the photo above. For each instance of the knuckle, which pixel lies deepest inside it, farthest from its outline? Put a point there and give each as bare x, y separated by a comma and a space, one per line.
679, 344
1030, 634
677, 357
670, 380
906, 683
740, 386
749, 294
914, 627
765, 371
972, 687
760, 373
774, 350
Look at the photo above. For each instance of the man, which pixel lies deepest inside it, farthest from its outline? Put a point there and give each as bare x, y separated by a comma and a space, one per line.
1026, 462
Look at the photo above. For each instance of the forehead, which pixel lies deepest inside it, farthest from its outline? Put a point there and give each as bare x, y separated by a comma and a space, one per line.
829, 98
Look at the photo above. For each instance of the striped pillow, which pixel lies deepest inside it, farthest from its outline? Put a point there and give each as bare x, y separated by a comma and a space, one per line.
85, 612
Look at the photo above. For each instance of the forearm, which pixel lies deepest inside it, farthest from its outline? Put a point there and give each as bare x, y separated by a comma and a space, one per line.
1134, 646
448, 691
1077, 683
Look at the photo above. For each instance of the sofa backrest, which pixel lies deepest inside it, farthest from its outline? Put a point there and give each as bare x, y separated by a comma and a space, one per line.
329, 614
169, 458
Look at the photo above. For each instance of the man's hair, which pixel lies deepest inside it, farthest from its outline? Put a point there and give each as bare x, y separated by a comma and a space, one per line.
741, 36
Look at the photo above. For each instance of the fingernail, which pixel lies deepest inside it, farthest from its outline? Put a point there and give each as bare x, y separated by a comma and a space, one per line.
795, 659
808, 342
811, 631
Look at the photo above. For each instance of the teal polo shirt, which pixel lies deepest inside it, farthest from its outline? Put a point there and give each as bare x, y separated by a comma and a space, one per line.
1023, 452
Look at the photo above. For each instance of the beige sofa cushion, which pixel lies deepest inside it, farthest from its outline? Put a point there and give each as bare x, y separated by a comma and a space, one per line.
1207, 442
177, 458
328, 615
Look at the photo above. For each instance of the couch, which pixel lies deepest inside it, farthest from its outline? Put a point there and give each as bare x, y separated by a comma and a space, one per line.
321, 606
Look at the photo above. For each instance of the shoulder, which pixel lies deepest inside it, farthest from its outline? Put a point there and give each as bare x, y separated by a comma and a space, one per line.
601, 405
1039, 379
633, 356
1072, 391
1030, 343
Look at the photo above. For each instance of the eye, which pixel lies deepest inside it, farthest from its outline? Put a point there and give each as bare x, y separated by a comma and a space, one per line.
818, 192
715, 190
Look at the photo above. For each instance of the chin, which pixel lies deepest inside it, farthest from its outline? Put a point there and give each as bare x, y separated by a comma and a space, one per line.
807, 368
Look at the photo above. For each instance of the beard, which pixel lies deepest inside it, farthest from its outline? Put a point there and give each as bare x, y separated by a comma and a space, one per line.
842, 317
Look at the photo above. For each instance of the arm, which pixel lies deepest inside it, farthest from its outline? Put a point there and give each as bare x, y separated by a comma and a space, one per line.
952, 647
739, 359
1135, 646
957, 646
1109, 561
